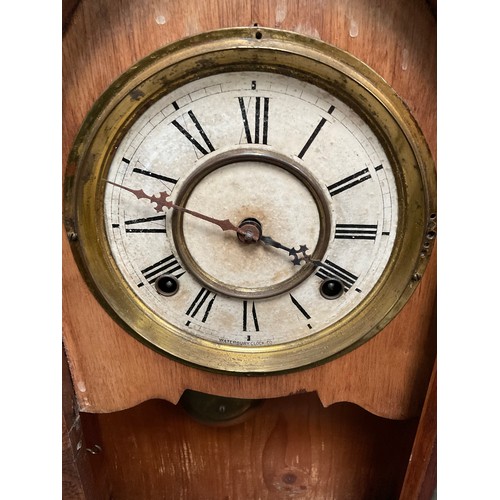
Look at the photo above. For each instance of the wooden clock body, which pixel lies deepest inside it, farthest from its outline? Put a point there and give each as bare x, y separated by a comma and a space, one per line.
128, 437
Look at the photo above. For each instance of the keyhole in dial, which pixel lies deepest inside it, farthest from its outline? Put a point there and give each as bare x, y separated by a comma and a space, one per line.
167, 285
331, 289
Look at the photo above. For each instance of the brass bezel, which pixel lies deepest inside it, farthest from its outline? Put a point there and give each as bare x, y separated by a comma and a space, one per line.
238, 49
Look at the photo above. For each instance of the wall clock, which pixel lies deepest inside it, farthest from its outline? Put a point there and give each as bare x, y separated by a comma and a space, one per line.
251, 201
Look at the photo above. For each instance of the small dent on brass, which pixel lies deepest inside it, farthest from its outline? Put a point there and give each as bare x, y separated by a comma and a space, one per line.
136, 94
429, 236
431, 227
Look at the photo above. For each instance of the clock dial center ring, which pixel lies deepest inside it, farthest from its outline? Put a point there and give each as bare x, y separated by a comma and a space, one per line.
265, 194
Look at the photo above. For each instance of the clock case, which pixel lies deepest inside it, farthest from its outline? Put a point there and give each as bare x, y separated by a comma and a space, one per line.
258, 49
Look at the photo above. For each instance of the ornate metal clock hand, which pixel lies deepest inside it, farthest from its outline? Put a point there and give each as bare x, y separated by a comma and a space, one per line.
298, 255
162, 202
249, 232
296, 260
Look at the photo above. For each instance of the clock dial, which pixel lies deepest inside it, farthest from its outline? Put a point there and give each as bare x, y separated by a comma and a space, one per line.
262, 147
251, 201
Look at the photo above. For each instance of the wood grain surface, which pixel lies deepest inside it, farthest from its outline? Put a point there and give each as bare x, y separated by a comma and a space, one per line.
111, 371
288, 448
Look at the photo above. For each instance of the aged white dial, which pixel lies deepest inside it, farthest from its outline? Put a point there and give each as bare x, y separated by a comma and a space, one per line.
295, 162
251, 201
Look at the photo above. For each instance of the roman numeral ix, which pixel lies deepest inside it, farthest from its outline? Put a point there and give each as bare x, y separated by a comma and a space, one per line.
146, 220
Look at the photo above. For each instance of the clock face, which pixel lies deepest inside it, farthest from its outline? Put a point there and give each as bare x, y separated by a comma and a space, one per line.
251, 201
285, 155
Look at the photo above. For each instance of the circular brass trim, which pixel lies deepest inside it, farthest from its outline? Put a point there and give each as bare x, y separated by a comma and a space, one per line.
261, 156
256, 49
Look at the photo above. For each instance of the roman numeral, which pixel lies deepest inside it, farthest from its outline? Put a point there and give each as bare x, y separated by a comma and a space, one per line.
196, 306
146, 220
168, 265
156, 176
350, 181
252, 318
202, 149
315, 133
261, 121
304, 313
355, 231
329, 270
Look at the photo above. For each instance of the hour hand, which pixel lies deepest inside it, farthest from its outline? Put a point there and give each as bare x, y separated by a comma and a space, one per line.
297, 255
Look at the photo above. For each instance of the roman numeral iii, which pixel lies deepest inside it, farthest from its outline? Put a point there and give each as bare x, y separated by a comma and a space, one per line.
356, 231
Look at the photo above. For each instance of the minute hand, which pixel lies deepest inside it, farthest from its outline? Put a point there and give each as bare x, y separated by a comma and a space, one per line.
162, 202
